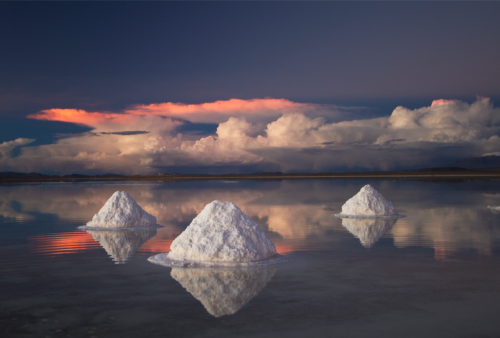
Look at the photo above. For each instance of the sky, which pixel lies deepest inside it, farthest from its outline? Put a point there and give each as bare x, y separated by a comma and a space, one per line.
241, 87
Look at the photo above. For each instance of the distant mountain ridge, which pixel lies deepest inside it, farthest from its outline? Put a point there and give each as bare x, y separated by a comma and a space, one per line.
481, 162
442, 169
12, 174
22, 175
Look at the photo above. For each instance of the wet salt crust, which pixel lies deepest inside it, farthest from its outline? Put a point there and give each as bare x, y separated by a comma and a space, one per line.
221, 235
121, 212
368, 203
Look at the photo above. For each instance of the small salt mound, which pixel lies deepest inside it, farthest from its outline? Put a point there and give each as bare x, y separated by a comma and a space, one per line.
223, 292
121, 245
121, 211
368, 230
494, 208
220, 235
368, 203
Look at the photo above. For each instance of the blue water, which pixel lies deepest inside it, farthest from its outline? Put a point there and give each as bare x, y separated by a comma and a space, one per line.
435, 273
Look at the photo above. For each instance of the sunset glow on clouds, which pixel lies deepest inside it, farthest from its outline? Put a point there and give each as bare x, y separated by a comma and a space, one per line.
270, 133
211, 112
219, 111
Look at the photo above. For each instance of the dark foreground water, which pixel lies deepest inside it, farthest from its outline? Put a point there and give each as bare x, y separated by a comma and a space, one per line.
435, 273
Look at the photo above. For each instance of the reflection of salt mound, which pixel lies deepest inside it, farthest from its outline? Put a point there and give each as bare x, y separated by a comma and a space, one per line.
220, 235
121, 211
368, 202
223, 292
494, 208
121, 245
368, 230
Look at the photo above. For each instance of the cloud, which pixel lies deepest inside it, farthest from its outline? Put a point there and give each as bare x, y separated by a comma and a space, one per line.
78, 116
219, 111
7, 147
491, 154
276, 133
254, 110
407, 138
211, 112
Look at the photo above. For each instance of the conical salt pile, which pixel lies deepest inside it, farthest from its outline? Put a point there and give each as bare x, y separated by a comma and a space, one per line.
368, 230
223, 292
368, 202
121, 211
221, 233
121, 245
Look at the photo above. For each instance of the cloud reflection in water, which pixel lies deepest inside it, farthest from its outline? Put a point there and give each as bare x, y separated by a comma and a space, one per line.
296, 215
61, 243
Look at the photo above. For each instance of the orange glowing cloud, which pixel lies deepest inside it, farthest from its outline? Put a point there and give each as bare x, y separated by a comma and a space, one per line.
442, 102
79, 116
231, 106
211, 112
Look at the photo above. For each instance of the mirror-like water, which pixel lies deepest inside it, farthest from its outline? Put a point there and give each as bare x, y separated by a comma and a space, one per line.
434, 273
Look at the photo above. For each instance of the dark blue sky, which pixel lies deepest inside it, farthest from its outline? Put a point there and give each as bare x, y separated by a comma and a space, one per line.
108, 55
112, 54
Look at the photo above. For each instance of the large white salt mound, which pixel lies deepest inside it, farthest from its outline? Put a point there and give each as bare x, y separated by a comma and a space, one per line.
368, 202
121, 211
368, 230
223, 234
223, 292
121, 245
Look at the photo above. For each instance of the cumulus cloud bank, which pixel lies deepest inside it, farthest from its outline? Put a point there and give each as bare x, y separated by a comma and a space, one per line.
276, 133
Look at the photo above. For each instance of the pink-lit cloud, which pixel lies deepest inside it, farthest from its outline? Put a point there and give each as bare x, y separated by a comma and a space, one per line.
210, 112
79, 116
214, 112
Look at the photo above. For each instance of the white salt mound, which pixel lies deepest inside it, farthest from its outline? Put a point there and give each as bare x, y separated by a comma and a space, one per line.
121, 245
221, 234
368, 202
368, 230
494, 208
121, 211
223, 292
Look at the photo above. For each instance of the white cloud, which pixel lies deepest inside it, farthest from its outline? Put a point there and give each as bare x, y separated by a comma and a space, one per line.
491, 154
7, 147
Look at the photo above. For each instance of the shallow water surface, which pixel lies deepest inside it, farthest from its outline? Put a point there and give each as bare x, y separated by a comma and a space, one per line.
435, 273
